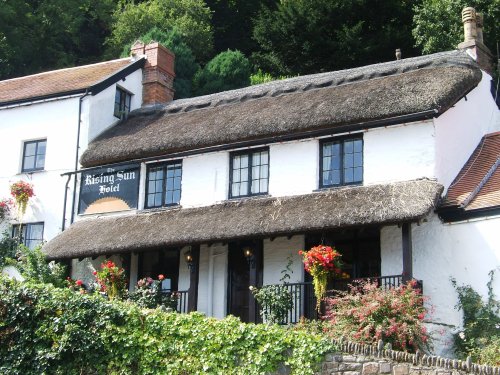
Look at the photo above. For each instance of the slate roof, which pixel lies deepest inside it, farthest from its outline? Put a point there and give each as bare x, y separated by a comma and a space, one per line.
477, 186
248, 218
328, 102
59, 82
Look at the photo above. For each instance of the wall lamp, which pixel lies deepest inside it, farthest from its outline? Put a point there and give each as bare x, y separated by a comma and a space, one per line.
188, 257
249, 256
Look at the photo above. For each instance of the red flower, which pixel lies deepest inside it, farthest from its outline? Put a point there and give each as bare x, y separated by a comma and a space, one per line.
79, 282
161, 277
94, 273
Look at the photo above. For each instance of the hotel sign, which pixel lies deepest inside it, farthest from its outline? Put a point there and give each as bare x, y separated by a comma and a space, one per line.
109, 189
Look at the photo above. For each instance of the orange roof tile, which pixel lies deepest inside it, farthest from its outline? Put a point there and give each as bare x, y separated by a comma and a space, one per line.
478, 183
58, 81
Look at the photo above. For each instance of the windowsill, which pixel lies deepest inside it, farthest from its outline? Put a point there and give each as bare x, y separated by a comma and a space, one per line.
247, 197
326, 188
163, 208
33, 171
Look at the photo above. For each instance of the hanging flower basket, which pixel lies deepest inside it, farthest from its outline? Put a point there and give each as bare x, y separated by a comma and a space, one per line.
22, 192
322, 262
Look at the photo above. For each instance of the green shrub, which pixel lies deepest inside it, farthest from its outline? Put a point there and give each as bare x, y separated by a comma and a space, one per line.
227, 71
368, 313
148, 294
8, 246
33, 266
49, 330
480, 336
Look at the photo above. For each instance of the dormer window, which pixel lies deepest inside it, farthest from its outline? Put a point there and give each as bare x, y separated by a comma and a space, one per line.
341, 162
122, 103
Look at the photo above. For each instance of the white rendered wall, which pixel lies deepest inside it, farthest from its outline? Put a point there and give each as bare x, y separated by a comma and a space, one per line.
276, 255
293, 168
212, 284
55, 121
205, 179
184, 273
459, 130
399, 153
464, 251
101, 106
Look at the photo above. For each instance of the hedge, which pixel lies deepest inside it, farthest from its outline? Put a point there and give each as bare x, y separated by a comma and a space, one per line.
46, 330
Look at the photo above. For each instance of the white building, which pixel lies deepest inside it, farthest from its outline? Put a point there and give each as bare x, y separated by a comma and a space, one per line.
47, 120
376, 161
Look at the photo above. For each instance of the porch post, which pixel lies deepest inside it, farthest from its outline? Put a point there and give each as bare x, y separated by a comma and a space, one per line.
193, 279
254, 280
407, 252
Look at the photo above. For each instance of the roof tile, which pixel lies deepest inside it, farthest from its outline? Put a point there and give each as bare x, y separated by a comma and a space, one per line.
58, 81
478, 183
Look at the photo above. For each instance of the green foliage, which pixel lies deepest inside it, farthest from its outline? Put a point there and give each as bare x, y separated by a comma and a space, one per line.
57, 331
148, 294
481, 324
34, 267
191, 18
233, 23
312, 36
185, 64
50, 34
368, 313
261, 77
438, 23
112, 280
226, 71
275, 301
8, 246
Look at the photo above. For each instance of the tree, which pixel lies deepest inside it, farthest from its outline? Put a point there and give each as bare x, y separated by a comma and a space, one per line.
303, 37
185, 64
232, 22
438, 23
48, 34
226, 71
190, 17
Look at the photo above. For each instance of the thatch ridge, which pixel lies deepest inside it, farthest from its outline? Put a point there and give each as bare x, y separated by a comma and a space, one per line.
344, 207
296, 105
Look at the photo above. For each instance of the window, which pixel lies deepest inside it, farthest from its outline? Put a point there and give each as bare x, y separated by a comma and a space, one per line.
341, 162
122, 103
249, 173
34, 155
31, 234
163, 185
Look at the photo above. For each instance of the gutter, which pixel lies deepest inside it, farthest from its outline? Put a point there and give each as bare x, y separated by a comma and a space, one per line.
418, 116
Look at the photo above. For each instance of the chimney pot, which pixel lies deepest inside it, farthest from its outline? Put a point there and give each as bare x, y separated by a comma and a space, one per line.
479, 27
469, 21
398, 54
473, 43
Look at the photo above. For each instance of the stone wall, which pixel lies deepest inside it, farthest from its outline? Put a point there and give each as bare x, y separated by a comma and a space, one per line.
357, 359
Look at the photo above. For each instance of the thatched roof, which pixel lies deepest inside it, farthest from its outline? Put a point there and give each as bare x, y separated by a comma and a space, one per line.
294, 106
261, 217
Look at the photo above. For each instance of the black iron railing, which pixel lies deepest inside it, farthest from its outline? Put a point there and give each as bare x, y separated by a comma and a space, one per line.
304, 301
182, 302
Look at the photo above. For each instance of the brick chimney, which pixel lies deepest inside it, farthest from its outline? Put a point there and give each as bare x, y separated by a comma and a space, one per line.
158, 72
473, 39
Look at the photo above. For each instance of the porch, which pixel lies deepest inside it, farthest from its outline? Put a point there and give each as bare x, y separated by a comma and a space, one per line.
213, 254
